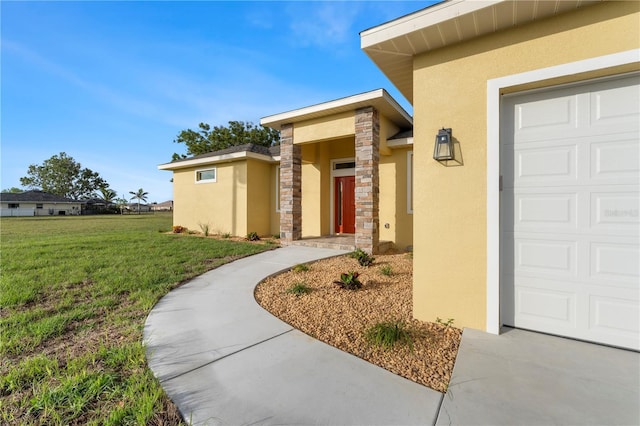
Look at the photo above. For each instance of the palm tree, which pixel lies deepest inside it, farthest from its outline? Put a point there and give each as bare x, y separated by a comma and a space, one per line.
121, 202
140, 195
108, 195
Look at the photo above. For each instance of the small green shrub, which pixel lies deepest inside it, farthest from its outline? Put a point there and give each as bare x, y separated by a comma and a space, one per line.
386, 270
349, 281
226, 235
388, 334
299, 289
300, 267
363, 258
253, 236
204, 227
177, 229
448, 323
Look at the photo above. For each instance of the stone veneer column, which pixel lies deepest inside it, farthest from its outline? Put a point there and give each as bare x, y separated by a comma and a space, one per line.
290, 187
367, 179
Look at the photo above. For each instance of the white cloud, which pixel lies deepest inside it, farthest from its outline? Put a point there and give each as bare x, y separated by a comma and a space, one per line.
325, 24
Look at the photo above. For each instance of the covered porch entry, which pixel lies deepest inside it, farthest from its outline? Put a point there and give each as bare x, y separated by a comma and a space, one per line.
329, 168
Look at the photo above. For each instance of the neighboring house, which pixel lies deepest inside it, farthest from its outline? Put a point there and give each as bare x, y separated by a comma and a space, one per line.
165, 206
535, 222
97, 206
135, 207
532, 223
37, 203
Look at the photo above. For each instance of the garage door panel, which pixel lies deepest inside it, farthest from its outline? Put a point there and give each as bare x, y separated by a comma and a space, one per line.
615, 263
619, 315
548, 302
615, 211
618, 161
613, 104
557, 210
570, 219
545, 257
543, 163
532, 210
532, 118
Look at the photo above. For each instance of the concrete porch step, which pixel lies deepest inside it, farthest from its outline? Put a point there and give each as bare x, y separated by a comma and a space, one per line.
338, 242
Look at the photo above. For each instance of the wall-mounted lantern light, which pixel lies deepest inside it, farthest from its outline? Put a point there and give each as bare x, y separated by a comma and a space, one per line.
444, 147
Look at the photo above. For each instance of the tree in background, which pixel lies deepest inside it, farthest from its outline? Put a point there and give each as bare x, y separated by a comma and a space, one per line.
13, 190
107, 195
220, 137
140, 195
121, 203
62, 175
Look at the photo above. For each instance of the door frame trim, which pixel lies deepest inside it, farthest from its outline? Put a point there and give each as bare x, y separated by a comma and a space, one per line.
495, 88
333, 174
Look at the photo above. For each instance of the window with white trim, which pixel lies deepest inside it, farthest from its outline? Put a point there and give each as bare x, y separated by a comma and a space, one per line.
14, 205
206, 175
410, 182
277, 189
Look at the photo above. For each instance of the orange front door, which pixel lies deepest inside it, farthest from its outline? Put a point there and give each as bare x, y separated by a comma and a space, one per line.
344, 192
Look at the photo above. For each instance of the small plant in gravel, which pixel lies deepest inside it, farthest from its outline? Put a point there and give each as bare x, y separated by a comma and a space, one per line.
446, 324
349, 281
226, 235
300, 267
388, 334
386, 270
253, 236
363, 258
298, 289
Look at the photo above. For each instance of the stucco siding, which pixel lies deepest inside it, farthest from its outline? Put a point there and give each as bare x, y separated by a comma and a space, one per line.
450, 89
325, 128
387, 129
393, 200
259, 197
221, 204
311, 191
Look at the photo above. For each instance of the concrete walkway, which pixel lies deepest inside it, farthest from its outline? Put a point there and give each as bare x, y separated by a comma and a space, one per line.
225, 361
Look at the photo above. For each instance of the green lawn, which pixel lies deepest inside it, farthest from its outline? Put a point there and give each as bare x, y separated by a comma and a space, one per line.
74, 295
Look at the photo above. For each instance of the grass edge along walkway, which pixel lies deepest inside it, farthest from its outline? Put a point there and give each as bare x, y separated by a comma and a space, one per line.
74, 295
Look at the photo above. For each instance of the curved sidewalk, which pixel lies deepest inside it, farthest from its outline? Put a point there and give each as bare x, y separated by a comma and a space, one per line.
226, 361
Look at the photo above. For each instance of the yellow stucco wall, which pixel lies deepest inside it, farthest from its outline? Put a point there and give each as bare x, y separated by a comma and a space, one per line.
324, 128
312, 204
450, 90
387, 129
393, 199
221, 204
259, 197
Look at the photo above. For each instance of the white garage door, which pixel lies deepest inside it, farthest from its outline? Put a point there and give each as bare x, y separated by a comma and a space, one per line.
570, 256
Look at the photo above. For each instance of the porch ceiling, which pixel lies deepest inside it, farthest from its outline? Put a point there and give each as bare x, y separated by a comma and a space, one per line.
393, 45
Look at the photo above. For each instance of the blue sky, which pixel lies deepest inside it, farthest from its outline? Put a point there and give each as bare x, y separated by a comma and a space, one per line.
113, 83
